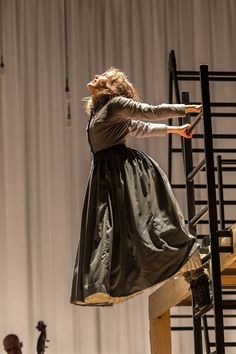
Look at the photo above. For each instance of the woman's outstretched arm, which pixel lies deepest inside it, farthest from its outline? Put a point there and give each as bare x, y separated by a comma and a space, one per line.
127, 108
142, 129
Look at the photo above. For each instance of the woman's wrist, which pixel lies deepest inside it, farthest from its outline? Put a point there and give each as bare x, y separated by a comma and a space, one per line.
171, 129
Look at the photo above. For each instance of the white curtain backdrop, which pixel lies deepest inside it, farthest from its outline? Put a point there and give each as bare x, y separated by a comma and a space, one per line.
44, 165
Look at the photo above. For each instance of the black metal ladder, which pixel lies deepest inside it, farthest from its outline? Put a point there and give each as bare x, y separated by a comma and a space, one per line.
210, 208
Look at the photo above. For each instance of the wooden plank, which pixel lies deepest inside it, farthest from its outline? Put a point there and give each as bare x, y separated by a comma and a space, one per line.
228, 281
233, 265
175, 290
160, 334
167, 295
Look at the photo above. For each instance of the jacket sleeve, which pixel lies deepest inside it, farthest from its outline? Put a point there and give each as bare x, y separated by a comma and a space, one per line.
127, 108
141, 129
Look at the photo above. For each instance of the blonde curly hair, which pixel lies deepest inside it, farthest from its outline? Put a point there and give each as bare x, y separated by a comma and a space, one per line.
116, 85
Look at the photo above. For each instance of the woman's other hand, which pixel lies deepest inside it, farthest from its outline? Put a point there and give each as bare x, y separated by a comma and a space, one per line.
181, 130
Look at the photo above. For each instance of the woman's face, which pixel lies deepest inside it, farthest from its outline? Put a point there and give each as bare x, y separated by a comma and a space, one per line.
99, 82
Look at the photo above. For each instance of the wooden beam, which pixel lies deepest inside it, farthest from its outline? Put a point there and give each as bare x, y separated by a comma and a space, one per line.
174, 290
160, 335
168, 295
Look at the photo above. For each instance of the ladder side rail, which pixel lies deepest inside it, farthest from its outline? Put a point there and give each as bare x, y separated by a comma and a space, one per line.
212, 215
188, 166
206, 334
170, 100
220, 192
173, 69
173, 83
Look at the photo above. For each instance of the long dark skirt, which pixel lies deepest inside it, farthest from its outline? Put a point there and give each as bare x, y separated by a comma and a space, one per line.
132, 233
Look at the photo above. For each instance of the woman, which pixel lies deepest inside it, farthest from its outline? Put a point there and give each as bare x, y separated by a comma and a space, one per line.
132, 233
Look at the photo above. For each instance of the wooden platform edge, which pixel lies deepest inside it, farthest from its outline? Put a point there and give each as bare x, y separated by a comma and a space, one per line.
175, 290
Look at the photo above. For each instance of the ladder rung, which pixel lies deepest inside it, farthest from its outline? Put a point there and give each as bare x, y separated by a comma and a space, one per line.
226, 249
229, 304
196, 78
181, 186
199, 216
188, 72
224, 169
210, 73
226, 344
222, 73
188, 78
224, 114
197, 150
228, 169
208, 316
226, 202
228, 292
202, 186
181, 328
224, 315
228, 161
229, 222
224, 233
206, 258
190, 328
196, 170
223, 104
195, 122
221, 78
216, 136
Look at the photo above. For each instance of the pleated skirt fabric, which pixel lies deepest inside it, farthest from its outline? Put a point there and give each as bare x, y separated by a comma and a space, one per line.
133, 233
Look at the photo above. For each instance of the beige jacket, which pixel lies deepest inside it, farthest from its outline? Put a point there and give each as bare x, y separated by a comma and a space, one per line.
122, 117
